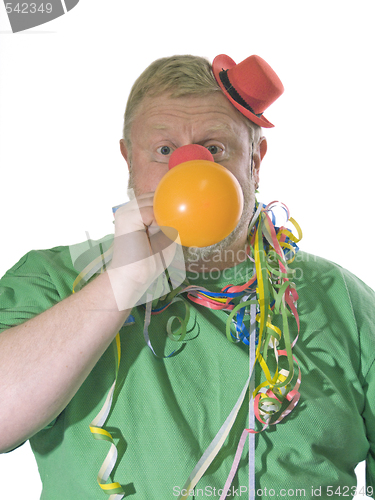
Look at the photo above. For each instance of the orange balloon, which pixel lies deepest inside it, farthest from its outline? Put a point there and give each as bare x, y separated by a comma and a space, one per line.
200, 199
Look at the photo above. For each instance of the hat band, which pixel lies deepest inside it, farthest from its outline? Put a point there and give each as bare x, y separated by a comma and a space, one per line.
233, 92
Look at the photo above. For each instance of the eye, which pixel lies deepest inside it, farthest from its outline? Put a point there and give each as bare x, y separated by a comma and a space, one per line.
164, 150
214, 150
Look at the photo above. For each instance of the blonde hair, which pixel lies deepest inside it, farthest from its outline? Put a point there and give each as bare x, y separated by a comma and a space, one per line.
180, 75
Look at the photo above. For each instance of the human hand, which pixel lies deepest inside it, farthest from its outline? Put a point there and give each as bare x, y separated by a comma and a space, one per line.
141, 251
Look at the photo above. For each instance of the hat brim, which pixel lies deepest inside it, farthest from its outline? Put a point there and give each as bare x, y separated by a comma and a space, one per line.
223, 62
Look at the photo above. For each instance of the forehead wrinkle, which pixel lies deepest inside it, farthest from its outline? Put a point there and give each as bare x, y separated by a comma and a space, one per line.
183, 107
162, 114
218, 127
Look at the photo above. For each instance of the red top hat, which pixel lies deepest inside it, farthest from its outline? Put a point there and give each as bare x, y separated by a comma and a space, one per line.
251, 86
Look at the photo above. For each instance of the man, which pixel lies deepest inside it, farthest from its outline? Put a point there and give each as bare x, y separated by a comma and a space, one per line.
57, 363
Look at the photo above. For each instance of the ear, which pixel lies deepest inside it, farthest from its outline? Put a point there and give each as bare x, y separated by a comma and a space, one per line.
125, 152
259, 153
262, 147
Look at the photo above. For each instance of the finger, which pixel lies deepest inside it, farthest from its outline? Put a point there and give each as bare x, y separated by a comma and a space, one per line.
132, 217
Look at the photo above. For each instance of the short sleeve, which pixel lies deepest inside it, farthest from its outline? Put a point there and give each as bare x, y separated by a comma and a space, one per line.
39, 280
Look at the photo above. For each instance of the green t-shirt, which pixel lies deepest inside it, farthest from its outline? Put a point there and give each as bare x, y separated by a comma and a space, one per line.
167, 411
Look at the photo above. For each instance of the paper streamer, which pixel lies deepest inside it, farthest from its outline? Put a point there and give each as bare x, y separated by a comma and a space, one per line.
268, 293
113, 489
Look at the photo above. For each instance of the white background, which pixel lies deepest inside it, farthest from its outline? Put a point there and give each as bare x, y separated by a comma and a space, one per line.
64, 87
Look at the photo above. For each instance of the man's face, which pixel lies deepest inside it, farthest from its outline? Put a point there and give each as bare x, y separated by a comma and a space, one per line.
163, 124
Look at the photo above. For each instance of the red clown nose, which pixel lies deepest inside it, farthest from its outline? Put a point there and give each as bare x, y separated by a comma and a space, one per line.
189, 153
199, 198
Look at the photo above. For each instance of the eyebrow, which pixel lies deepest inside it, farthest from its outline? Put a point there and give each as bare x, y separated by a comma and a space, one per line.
158, 126
219, 126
